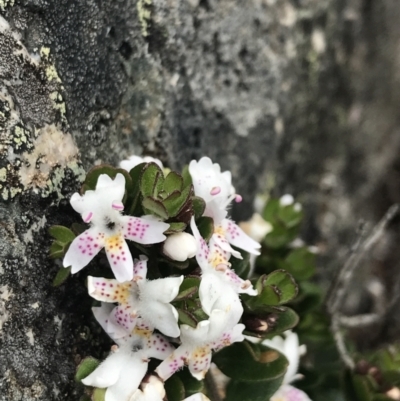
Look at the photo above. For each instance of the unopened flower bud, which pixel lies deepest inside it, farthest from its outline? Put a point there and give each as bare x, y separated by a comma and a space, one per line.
260, 324
180, 246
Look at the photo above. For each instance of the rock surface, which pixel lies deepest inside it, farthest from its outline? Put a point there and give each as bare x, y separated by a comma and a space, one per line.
300, 96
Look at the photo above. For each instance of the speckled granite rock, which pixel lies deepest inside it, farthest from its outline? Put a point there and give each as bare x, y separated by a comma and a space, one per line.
283, 90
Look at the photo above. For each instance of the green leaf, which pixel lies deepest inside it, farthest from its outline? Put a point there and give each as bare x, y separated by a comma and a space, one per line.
61, 276
174, 389
300, 263
99, 394
206, 227
290, 215
85, 398
86, 367
241, 266
154, 206
273, 289
280, 236
188, 288
62, 234
187, 178
173, 182
245, 391
176, 228
93, 175
134, 193
199, 206
186, 318
271, 209
192, 385
57, 250
251, 362
174, 203
151, 180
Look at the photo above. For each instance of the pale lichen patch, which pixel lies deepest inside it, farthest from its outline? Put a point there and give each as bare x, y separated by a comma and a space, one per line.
52, 149
35, 227
30, 336
5, 293
6, 3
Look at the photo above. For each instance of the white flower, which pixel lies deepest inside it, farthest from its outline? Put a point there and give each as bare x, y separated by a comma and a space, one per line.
149, 300
209, 183
217, 191
257, 228
153, 390
123, 370
214, 258
289, 393
180, 246
286, 200
121, 373
133, 161
109, 229
197, 397
288, 346
197, 343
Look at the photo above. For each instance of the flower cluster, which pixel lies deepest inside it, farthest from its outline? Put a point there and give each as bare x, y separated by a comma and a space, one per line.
173, 230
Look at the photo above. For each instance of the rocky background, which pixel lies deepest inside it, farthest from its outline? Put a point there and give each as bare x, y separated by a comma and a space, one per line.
297, 96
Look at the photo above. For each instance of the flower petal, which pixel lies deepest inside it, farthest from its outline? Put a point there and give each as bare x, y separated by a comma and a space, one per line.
140, 267
144, 230
289, 393
197, 397
83, 249
163, 289
163, 317
173, 363
121, 322
107, 373
210, 290
237, 237
130, 377
109, 290
202, 248
119, 257
223, 243
158, 347
199, 362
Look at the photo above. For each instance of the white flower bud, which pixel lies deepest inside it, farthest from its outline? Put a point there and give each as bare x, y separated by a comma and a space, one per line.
286, 200
180, 246
257, 228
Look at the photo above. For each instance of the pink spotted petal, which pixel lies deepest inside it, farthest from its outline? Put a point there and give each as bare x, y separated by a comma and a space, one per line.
229, 337
119, 257
109, 290
140, 268
145, 230
123, 316
159, 347
217, 255
83, 249
173, 363
202, 248
199, 362
241, 286
237, 237
289, 393
222, 242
